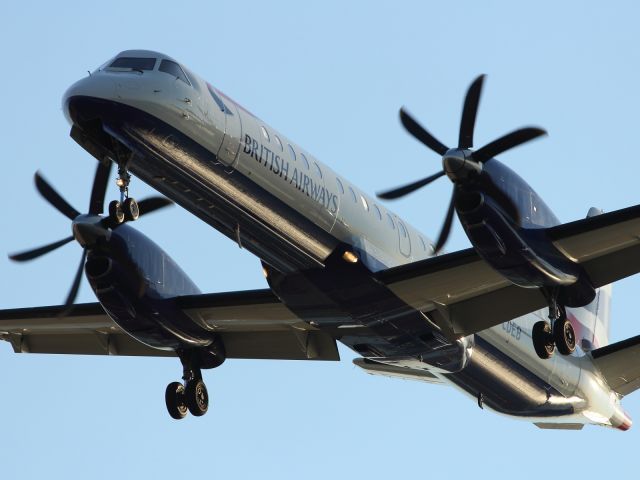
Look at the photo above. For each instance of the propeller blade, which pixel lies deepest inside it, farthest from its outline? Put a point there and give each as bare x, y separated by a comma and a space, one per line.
37, 252
73, 293
98, 192
420, 133
469, 112
54, 198
402, 191
446, 227
152, 204
506, 142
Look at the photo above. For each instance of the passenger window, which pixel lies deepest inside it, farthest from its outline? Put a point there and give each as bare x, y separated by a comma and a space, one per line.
172, 68
134, 63
378, 212
278, 142
304, 160
340, 186
391, 222
353, 194
364, 203
292, 152
265, 134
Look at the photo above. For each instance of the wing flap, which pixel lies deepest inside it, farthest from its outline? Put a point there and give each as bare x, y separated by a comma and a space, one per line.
86, 330
281, 345
82, 343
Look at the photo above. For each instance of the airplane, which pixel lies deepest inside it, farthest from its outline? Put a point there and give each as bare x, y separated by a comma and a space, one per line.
340, 266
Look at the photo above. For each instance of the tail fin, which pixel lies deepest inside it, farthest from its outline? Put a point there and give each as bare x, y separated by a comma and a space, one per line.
592, 321
602, 310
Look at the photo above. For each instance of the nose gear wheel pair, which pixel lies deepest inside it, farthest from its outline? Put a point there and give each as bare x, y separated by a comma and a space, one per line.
126, 209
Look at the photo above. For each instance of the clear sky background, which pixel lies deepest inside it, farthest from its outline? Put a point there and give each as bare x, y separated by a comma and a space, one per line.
331, 76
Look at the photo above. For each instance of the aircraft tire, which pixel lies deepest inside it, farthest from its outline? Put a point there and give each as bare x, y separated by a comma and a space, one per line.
174, 398
542, 339
197, 397
130, 209
564, 336
115, 212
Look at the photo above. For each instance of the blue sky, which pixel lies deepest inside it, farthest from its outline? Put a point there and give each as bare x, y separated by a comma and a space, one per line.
331, 77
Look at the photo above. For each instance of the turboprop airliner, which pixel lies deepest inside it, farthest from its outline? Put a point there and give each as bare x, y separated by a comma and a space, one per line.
519, 321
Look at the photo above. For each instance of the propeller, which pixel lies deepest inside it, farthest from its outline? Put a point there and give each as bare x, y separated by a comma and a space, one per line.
82, 223
460, 164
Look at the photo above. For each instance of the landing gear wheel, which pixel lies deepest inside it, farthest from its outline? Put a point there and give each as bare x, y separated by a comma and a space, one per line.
130, 209
564, 336
542, 339
115, 212
197, 397
175, 400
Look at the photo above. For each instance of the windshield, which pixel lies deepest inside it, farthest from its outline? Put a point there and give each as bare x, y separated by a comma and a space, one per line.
134, 63
172, 68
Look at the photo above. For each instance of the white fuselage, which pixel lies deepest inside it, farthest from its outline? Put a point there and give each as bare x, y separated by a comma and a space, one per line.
249, 147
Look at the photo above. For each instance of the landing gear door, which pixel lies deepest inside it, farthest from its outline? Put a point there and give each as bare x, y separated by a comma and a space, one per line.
228, 153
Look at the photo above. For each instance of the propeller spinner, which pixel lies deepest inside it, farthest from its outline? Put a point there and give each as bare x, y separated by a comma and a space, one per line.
460, 164
87, 228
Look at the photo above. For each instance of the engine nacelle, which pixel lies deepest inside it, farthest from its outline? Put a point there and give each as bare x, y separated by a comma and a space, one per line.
137, 284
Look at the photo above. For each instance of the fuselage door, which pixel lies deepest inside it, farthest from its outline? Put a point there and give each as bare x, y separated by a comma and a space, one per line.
228, 153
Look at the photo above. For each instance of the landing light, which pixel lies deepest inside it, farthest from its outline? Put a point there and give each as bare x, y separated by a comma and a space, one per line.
350, 257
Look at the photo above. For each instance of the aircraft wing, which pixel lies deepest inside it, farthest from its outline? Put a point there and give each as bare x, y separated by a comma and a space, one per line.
460, 292
464, 295
252, 324
607, 245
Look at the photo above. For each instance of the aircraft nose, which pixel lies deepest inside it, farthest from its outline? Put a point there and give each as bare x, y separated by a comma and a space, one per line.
94, 85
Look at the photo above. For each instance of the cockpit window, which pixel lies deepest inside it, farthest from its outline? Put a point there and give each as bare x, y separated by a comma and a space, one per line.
134, 63
172, 68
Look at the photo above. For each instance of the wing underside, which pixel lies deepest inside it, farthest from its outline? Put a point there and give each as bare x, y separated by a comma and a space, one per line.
252, 324
464, 295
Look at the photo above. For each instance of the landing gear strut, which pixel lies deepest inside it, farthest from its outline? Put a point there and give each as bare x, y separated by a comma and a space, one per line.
557, 333
127, 208
191, 395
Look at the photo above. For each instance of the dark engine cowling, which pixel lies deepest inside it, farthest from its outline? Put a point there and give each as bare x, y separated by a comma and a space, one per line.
132, 302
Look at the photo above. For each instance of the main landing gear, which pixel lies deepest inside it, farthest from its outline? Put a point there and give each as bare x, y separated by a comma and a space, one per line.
557, 333
190, 396
127, 208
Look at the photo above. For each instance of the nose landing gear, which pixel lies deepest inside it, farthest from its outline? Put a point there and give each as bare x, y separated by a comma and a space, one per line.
559, 333
126, 209
192, 396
